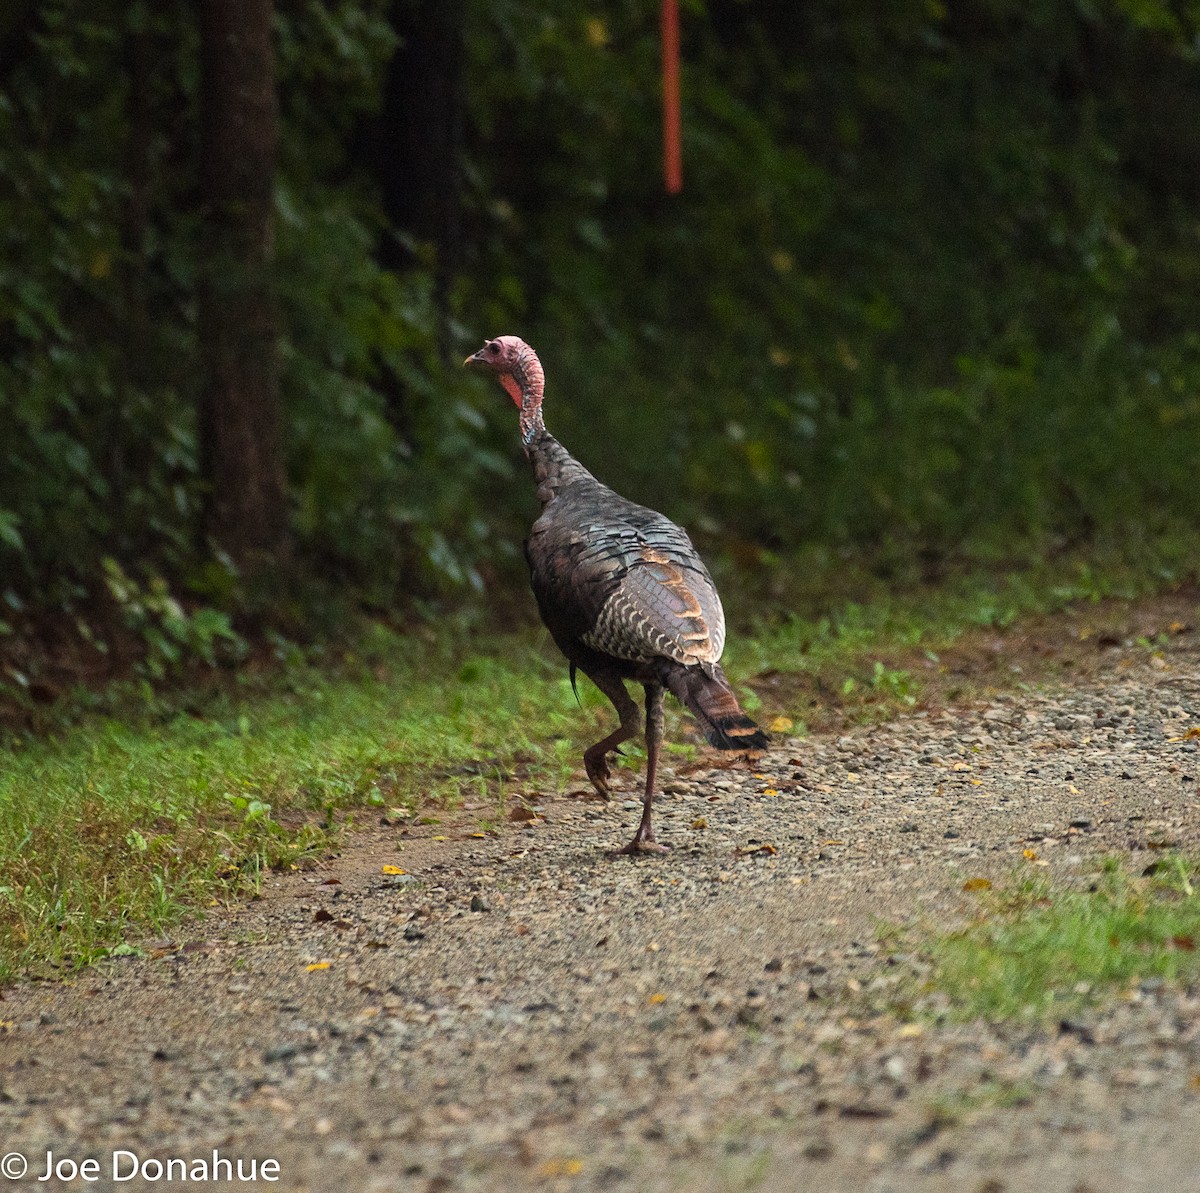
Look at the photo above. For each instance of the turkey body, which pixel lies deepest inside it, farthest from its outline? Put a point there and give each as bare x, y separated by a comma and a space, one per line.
625, 596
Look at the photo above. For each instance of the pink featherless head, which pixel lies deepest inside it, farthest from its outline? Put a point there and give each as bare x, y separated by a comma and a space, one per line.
516, 365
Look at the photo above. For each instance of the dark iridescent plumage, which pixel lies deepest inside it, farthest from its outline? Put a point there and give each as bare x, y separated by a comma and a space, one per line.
622, 591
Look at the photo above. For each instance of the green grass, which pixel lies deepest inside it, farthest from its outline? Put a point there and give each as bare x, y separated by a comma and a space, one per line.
1036, 952
118, 824
121, 827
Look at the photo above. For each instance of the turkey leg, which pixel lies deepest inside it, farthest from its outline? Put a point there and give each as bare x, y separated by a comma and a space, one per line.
593, 757
643, 840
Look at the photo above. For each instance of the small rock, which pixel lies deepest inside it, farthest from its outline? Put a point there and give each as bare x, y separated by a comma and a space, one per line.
715, 1041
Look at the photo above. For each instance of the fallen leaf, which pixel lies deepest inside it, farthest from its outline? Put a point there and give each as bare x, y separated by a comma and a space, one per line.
332, 882
770, 791
521, 930
1030, 855
781, 724
748, 850
549, 1169
1190, 735
910, 1031
655, 999
437, 838
979, 884
833, 842
520, 812
1186, 943
321, 916
393, 870
317, 965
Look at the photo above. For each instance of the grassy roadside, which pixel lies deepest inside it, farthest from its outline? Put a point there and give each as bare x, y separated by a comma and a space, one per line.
1037, 952
119, 827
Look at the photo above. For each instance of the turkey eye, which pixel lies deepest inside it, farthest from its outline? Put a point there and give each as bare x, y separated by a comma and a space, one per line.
493, 348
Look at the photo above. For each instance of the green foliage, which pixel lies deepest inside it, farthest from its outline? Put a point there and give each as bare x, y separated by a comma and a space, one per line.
173, 637
904, 293
1035, 951
930, 286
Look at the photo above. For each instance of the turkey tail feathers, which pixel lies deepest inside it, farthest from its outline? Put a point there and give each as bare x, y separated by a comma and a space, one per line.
708, 697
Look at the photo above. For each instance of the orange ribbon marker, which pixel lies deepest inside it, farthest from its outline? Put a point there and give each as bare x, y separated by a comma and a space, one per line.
672, 142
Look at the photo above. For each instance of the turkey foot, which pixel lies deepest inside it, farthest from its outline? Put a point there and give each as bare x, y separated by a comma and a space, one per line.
599, 773
643, 840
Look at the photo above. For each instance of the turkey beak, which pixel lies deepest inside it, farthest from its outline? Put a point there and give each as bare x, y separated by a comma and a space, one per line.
476, 359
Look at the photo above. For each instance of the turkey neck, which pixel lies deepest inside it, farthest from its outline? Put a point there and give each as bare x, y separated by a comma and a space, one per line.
554, 468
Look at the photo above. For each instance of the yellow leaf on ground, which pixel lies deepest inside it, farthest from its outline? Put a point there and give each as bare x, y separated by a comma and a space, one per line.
317, 965
770, 791
655, 999
977, 884
781, 724
1030, 855
699, 822
393, 870
910, 1031
563, 1167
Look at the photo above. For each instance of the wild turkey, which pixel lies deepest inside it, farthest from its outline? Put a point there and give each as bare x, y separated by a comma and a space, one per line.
622, 591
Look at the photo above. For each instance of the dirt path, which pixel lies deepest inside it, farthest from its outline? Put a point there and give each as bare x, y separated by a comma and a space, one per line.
519, 1011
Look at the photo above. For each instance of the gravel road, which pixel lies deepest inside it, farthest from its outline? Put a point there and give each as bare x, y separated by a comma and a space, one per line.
516, 1010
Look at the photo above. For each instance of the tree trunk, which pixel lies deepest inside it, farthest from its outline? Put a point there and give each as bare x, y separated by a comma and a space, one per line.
240, 431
